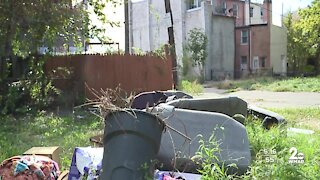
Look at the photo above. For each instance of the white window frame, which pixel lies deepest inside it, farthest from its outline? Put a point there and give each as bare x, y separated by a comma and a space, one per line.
242, 32
235, 11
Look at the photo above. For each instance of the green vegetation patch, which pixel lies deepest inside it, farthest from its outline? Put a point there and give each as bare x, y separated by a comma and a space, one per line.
271, 151
264, 142
301, 84
18, 134
301, 117
21, 133
193, 87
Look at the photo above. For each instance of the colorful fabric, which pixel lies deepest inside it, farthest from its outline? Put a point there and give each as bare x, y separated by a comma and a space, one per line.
168, 175
29, 167
86, 163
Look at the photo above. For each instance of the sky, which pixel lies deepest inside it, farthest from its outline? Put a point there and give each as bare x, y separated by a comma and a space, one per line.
117, 34
288, 5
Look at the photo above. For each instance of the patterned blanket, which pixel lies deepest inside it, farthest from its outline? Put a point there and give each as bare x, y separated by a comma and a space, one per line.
29, 167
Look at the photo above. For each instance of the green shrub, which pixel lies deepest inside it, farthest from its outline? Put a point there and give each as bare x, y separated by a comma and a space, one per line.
209, 166
34, 92
191, 87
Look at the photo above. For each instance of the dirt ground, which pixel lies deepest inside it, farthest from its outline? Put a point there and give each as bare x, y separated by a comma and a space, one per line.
269, 99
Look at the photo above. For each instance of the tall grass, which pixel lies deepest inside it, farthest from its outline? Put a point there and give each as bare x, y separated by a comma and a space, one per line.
301, 84
301, 117
21, 133
278, 140
275, 140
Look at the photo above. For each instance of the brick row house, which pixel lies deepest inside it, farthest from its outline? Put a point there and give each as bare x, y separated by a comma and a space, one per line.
261, 46
242, 40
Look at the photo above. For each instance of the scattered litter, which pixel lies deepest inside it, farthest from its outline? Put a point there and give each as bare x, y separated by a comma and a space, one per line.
29, 167
86, 163
168, 175
300, 131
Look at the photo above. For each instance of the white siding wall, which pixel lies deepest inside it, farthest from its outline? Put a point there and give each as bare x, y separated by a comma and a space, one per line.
256, 18
278, 49
140, 25
150, 23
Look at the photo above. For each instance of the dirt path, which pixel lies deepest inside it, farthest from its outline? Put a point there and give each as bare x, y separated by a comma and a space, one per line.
269, 99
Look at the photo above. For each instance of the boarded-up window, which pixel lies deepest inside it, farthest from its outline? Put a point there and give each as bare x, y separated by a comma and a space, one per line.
255, 62
263, 62
244, 62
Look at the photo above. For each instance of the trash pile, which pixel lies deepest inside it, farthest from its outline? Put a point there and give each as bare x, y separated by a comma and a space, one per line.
29, 167
154, 135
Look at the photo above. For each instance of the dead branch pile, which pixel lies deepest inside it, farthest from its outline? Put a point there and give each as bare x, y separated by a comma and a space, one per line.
111, 100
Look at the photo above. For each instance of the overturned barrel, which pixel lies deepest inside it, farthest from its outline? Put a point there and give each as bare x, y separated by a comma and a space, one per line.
131, 141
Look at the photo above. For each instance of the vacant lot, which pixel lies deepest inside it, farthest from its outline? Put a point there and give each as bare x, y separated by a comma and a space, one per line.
21, 133
301, 84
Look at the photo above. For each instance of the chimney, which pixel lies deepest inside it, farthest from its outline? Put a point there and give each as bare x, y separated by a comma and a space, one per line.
268, 5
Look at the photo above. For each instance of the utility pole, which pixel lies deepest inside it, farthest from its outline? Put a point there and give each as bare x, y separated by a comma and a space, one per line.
172, 45
126, 25
249, 38
282, 14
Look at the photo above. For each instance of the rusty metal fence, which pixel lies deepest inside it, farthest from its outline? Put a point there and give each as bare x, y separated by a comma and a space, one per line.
131, 72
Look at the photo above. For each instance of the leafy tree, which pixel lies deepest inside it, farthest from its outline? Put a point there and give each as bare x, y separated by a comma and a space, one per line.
197, 47
28, 25
310, 26
297, 51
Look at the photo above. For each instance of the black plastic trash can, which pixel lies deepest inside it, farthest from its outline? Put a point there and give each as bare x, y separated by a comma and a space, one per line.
131, 142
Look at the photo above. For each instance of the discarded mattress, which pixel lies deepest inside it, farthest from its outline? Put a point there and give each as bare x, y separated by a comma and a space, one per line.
176, 151
226, 105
